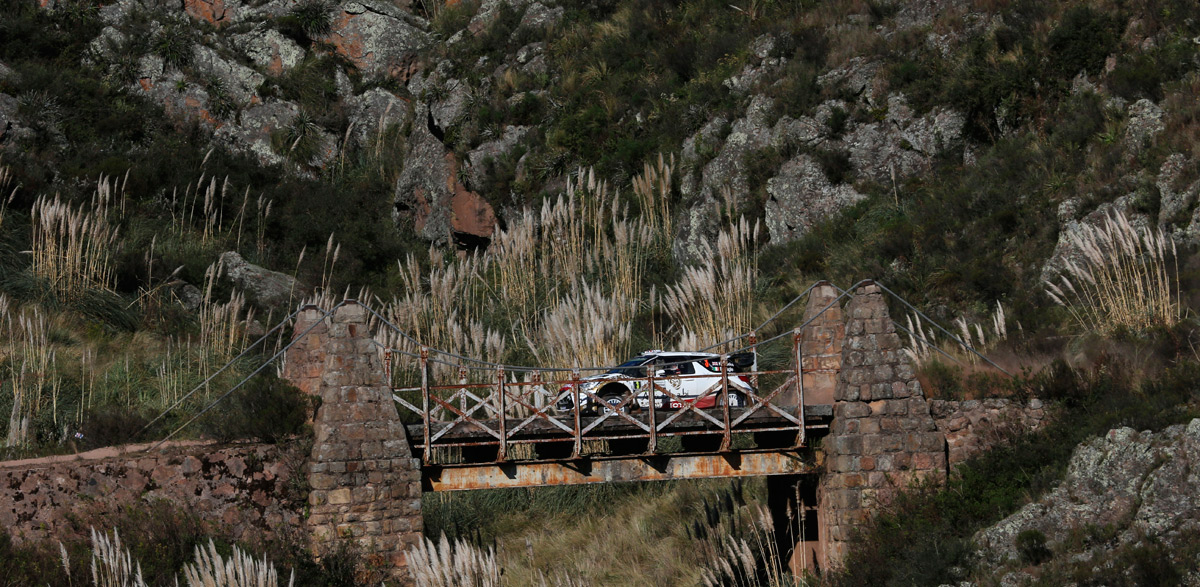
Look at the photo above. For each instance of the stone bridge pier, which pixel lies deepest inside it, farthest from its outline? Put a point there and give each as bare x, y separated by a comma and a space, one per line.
881, 438
365, 486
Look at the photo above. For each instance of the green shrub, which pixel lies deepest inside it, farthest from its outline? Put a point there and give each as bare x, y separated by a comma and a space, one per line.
112, 425
266, 407
1031, 545
174, 45
1142, 75
1082, 41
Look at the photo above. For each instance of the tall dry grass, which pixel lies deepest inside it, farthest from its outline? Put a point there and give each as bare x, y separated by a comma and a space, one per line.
457, 564
6, 178
560, 284
30, 363
924, 343
653, 191
223, 325
112, 565
713, 301
1126, 277
210, 569
73, 248
745, 557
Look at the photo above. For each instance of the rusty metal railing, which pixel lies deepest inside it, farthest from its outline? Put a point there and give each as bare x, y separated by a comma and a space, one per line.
516, 417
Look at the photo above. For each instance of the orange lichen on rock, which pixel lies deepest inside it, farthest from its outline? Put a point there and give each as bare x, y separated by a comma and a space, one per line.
211, 11
470, 213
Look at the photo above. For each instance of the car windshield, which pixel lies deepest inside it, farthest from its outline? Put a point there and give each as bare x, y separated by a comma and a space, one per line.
632, 368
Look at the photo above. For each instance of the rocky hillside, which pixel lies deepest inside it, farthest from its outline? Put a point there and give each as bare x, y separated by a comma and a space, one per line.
228, 158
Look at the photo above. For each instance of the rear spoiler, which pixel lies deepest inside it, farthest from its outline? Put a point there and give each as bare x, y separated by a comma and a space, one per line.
742, 361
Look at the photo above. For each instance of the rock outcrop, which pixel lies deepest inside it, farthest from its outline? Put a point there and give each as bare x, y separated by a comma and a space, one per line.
1124, 490
378, 37
902, 143
442, 209
801, 196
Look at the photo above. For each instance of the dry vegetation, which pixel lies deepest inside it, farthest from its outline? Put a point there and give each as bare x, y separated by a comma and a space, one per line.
1126, 277
112, 565
563, 285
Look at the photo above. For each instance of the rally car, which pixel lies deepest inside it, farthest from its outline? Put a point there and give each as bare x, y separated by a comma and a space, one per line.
690, 377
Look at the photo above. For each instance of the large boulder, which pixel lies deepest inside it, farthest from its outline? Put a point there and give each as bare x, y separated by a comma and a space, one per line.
269, 49
1175, 199
801, 196
373, 111
1145, 123
492, 151
268, 288
447, 97
764, 67
11, 130
253, 133
239, 82
702, 188
378, 37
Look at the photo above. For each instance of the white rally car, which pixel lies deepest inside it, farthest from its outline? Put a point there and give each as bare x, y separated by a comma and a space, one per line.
690, 377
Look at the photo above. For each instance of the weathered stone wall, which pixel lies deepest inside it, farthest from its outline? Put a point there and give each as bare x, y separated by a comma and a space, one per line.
366, 487
250, 490
974, 426
882, 437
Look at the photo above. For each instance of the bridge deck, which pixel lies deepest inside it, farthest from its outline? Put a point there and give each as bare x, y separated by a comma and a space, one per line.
538, 451
659, 467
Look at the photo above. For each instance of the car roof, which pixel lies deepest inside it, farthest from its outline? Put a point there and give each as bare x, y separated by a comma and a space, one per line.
700, 354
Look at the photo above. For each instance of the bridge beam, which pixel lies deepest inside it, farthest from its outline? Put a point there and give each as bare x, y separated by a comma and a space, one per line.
644, 468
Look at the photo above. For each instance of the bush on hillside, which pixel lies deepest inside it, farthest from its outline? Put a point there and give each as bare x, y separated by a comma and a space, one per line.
266, 408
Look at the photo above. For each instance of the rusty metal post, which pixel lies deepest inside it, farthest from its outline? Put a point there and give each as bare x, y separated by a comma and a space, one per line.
578, 448
387, 366
502, 422
726, 435
754, 353
799, 352
653, 446
425, 397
